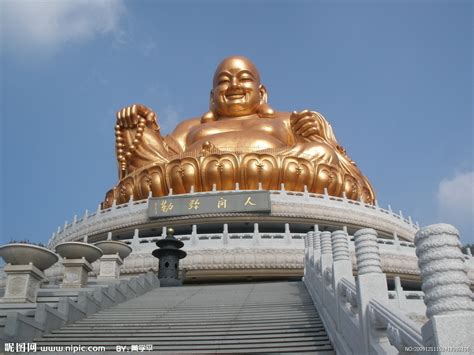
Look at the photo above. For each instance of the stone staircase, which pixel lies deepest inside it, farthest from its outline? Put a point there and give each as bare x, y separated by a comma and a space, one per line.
55, 306
276, 317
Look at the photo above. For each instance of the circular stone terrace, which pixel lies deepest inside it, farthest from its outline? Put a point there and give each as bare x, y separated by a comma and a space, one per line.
302, 210
247, 245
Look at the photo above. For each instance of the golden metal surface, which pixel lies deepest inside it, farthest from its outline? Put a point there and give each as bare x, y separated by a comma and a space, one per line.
241, 139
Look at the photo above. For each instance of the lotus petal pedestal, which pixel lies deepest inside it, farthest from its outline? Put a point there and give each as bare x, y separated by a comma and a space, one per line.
110, 262
77, 259
24, 269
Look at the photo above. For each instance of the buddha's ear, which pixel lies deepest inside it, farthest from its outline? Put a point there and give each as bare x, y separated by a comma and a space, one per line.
211, 101
263, 94
264, 110
209, 115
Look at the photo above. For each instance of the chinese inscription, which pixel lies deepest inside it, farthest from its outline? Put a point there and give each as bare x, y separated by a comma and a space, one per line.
236, 201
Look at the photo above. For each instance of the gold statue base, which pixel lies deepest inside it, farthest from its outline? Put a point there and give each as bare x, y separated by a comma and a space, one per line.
209, 171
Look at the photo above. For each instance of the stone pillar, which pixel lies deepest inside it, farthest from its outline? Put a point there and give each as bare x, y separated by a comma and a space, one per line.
401, 298
75, 273
306, 254
287, 235
448, 297
316, 249
326, 252
342, 266
325, 267
256, 235
225, 234
136, 239
110, 267
194, 235
23, 282
310, 248
371, 281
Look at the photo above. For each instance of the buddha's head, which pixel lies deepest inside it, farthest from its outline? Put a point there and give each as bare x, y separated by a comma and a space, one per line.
237, 91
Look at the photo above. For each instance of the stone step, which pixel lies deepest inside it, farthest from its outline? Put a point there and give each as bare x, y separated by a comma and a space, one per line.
186, 332
201, 343
285, 349
191, 317
150, 307
170, 323
177, 326
163, 337
258, 317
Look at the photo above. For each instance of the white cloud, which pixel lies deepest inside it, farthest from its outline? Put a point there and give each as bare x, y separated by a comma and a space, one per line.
44, 25
456, 201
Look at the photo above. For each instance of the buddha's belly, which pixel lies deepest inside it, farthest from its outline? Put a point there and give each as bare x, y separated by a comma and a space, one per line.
239, 141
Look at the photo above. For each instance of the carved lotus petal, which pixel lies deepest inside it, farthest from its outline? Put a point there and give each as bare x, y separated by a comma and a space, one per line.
367, 196
223, 171
109, 199
125, 190
327, 177
153, 180
259, 168
351, 187
181, 174
296, 173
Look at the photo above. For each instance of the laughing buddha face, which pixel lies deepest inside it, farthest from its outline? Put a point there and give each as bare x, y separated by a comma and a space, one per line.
236, 88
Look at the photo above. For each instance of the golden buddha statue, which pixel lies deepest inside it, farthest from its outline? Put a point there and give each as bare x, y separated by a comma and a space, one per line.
241, 139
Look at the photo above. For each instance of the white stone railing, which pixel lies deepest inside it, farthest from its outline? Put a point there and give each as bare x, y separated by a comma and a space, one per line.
362, 317
338, 209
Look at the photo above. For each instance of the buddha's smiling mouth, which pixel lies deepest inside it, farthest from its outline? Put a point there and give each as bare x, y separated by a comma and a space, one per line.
235, 96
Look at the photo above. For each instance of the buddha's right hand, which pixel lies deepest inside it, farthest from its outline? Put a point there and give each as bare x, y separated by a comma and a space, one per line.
130, 116
305, 125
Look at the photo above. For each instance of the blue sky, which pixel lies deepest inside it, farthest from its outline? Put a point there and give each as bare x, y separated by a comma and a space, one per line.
394, 78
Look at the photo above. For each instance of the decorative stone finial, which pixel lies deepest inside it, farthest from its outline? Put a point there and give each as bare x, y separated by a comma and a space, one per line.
441, 262
326, 247
367, 252
340, 245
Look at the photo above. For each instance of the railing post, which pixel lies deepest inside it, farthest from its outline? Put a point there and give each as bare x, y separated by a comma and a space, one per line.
326, 252
401, 298
371, 282
310, 248
135, 240
287, 235
396, 241
448, 297
225, 234
316, 250
256, 234
342, 266
306, 255
325, 266
194, 235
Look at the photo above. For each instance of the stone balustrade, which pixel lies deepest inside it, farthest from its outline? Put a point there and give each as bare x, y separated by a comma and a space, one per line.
284, 204
362, 316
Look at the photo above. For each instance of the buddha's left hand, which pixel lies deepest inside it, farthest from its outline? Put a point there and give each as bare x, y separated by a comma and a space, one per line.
305, 126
